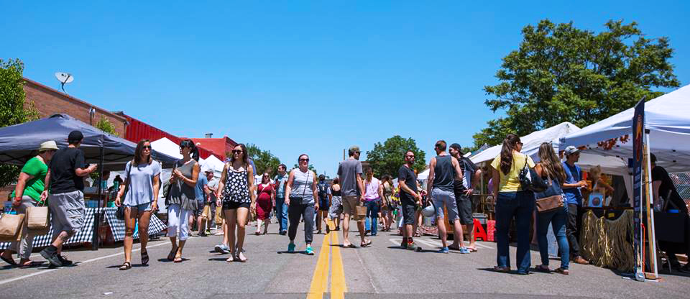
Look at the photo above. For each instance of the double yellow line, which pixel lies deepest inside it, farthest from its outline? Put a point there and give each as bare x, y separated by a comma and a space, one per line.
319, 282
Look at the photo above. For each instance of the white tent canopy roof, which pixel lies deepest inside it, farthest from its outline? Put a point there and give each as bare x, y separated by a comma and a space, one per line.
167, 147
531, 142
668, 120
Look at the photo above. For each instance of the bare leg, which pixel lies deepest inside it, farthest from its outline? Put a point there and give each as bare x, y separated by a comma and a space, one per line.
470, 228
242, 214
144, 219
346, 230
61, 239
440, 223
230, 224
129, 232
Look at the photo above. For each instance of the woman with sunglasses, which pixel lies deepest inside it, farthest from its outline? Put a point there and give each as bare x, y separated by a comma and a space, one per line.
142, 181
512, 202
300, 194
265, 201
237, 187
182, 202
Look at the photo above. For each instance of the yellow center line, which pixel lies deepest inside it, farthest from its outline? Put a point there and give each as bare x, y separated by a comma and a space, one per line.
338, 287
319, 281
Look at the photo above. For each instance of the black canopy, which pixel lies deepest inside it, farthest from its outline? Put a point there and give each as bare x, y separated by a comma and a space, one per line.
18, 143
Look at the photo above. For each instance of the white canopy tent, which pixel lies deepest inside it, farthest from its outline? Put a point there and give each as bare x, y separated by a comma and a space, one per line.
532, 141
667, 119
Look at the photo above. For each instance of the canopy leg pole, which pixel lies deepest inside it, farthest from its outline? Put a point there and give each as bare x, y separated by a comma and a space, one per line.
650, 211
97, 214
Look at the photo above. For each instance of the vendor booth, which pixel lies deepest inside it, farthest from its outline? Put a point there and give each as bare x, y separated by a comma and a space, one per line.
667, 126
18, 143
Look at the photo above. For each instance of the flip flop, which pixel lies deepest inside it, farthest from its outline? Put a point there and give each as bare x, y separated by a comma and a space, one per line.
367, 243
350, 246
9, 261
472, 249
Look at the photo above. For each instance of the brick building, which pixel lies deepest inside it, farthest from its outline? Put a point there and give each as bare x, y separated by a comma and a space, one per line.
219, 146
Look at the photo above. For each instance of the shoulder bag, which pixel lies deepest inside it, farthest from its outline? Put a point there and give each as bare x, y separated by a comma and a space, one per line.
551, 199
120, 213
299, 200
529, 180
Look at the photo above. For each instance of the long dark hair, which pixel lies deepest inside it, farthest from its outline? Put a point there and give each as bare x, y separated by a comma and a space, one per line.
509, 144
245, 157
139, 149
550, 163
194, 150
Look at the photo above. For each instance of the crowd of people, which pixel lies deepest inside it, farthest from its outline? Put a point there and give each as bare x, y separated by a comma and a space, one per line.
192, 195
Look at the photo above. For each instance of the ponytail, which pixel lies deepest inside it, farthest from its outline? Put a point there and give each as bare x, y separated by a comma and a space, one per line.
194, 150
509, 145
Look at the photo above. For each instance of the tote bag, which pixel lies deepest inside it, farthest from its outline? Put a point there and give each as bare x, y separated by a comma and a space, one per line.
11, 227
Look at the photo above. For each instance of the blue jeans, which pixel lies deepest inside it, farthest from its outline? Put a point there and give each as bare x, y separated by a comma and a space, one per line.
557, 219
282, 213
373, 214
521, 206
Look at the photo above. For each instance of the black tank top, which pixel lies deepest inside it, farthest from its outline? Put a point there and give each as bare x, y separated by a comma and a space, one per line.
444, 173
335, 193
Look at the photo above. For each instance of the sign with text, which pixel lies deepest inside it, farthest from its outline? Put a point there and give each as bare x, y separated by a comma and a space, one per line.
638, 146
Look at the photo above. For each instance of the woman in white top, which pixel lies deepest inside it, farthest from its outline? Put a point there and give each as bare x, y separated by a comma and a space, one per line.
142, 181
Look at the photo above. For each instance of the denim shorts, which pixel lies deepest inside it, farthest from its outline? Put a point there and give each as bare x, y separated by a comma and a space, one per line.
142, 207
445, 198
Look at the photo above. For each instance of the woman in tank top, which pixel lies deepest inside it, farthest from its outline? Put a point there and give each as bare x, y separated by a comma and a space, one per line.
182, 199
300, 194
236, 188
336, 208
386, 205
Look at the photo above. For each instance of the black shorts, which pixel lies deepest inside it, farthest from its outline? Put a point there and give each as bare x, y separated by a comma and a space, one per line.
464, 207
232, 205
408, 212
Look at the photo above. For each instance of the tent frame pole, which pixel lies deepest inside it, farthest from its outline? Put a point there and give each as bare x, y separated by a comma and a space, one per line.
650, 211
97, 214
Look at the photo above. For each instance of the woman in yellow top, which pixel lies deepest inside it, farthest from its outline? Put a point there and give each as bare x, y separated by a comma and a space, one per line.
511, 201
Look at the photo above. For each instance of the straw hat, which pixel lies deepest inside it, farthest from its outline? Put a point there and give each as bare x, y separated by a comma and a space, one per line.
47, 146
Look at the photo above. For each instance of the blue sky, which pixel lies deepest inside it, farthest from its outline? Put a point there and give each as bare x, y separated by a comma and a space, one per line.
299, 76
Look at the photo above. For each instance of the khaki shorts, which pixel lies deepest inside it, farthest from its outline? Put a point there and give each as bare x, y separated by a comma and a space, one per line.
349, 204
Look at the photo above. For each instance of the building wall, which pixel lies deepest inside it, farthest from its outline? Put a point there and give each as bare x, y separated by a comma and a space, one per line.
219, 146
49, 101
138, 130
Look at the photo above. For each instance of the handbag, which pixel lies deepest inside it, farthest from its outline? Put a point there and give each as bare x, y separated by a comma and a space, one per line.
11, 226
530, 180
166, 188
120, 213
551, 199
38, 218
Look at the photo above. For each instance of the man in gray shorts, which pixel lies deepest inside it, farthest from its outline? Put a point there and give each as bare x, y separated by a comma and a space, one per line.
352, 189
65, 180
443, 170
463, 195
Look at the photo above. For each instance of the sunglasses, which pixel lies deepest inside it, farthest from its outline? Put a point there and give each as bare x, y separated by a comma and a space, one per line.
236, 151
304, 160
147, 147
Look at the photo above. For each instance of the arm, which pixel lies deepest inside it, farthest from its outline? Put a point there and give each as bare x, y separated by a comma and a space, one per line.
496, 178
539, 170
430, 179
252, 188
288, 187
82, 172
607, 186
314, 187
195, 176
360, 185
655, 190
273, 195
458, 171
19, 189
380, 190
156, 188
46, 184
121, 191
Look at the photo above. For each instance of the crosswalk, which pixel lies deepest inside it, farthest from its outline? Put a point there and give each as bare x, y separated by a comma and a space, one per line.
433, 243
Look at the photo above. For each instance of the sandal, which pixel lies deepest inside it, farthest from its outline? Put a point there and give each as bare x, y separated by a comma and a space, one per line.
562, 271
231, 258
502, 269
171, 255
126, 266
178, 258
365, 244
144, 258
241, 257
472, 249
349, 246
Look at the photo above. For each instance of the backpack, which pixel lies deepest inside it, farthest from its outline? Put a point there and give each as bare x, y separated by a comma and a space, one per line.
323, 190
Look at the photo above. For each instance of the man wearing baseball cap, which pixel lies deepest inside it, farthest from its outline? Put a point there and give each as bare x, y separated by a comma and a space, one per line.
65, 184
573, 198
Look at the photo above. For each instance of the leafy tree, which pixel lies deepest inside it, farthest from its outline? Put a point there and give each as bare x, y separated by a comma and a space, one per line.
263, 160
11, 108
105, 125
386, 158
561, 73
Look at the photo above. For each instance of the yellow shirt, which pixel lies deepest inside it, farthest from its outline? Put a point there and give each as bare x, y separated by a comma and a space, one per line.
511, 182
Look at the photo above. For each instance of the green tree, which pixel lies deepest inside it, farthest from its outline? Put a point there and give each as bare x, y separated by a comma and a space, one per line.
263, 160
561, 73
12, 110
105, 125
386, 158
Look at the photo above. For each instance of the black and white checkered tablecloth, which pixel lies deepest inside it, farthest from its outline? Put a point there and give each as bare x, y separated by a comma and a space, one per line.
117, 227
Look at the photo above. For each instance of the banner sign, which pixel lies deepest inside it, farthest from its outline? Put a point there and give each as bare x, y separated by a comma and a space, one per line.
638, 140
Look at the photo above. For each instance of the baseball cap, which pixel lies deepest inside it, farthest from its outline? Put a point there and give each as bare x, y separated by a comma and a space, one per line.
456, 146
354, 149
75, 136
571, 150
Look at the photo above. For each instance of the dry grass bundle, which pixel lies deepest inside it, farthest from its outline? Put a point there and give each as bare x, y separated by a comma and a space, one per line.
608, 243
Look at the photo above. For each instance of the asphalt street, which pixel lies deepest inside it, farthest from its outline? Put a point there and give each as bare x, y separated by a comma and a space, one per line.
380, 271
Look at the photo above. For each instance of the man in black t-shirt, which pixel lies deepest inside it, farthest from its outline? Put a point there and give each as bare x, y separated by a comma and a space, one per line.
662, 187
65, 183
409, 199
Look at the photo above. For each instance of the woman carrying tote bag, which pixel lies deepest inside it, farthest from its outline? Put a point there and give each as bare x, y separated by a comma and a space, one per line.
27, 194
142, 182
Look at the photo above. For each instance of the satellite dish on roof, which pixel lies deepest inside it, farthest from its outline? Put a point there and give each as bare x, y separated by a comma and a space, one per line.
64, 78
